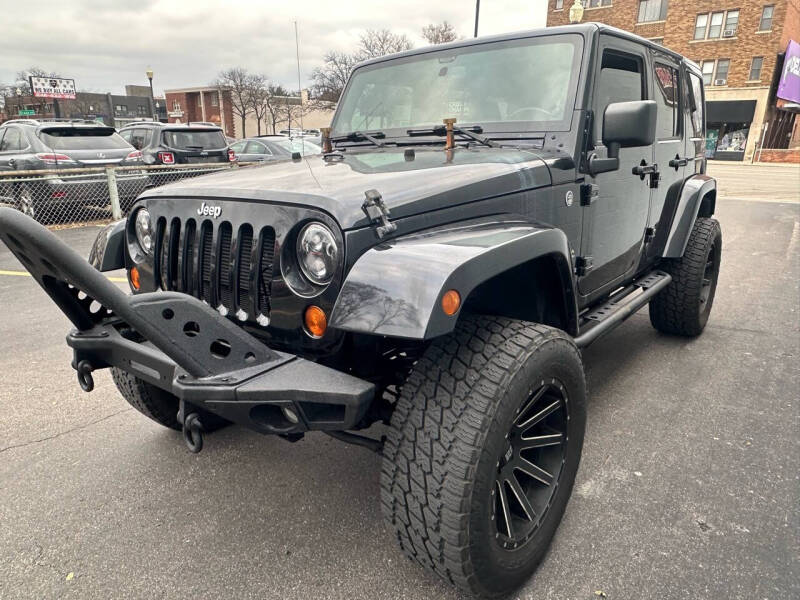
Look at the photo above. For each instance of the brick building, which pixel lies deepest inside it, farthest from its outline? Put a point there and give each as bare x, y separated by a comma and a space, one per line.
207, 104
740, 46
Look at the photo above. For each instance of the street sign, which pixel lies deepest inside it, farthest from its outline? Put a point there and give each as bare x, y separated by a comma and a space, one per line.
53, 87
26, 112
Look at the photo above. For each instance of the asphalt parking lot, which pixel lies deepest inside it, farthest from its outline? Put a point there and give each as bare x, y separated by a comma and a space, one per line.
688, 486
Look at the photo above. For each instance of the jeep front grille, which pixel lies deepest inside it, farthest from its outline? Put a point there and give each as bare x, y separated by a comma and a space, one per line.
225, 266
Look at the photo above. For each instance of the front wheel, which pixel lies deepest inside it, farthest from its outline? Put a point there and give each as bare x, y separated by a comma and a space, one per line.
483, 449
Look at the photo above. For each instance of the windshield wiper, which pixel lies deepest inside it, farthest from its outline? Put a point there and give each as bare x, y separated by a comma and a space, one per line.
470, 132
357, 136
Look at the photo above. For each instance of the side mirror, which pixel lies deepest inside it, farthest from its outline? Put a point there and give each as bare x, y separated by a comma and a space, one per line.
625, 125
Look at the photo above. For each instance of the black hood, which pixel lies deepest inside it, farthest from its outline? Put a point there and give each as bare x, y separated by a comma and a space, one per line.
410, 185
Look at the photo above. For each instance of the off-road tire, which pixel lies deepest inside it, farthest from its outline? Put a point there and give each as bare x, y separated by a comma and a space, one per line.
152, 402
683, 307
448, 434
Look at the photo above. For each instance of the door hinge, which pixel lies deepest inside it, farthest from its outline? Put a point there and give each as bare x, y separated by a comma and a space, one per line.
583, 264
589, 193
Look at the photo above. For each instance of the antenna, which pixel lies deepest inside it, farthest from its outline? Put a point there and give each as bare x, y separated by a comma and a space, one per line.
299, 88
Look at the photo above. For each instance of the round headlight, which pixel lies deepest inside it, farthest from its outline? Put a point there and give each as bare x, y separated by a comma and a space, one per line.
317, 253
144, 230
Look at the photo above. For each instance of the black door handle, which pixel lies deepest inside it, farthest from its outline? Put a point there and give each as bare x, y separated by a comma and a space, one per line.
644, 169
678, 162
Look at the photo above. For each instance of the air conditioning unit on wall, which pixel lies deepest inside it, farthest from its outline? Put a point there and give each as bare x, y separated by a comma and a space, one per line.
729, 33
720, 82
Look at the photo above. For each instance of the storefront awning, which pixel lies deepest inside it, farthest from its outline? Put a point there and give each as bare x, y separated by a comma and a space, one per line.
730, 111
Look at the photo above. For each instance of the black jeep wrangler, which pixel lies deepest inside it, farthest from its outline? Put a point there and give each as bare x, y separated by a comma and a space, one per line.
482, 211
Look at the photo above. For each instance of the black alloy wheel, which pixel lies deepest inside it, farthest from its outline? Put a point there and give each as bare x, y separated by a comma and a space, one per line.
528, 473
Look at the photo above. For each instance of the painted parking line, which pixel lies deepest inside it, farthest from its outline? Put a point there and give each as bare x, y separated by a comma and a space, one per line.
26, 274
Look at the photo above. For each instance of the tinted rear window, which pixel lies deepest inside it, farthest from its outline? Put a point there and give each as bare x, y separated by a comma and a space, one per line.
191, 140
77, 138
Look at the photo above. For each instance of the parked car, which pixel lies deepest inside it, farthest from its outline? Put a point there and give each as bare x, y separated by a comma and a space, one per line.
171, 144
58, 147
266, 149
439, 276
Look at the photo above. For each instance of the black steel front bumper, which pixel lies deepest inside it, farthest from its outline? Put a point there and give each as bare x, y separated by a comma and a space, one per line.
181, 345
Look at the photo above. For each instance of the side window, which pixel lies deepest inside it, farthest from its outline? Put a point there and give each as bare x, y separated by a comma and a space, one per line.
126, 135
257, 148
667, 100
697, 106
238, 147
12, 140
621, 80
138, 138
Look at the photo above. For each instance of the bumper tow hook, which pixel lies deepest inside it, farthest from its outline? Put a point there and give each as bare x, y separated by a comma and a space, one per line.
193, 433
85, 378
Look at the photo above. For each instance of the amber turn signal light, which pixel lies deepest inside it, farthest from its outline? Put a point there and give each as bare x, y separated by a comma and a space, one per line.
316, 321
134, 276
451, 301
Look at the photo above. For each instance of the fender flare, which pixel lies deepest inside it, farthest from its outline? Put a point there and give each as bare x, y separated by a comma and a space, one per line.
395, 289
108, 249
695, 189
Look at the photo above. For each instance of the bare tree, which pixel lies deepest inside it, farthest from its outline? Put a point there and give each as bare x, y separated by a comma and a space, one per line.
439, 33
329, 80
257, 96
276, 94
375, 43
237, 81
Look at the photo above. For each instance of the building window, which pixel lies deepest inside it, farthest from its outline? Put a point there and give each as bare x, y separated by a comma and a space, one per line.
658, 40
652, 10
141, 110
176, 106
755, 68
710, 26
766, 18
120, 108
559, 4
731, 23
700, 25
214, 99
707, 66
596, 3
721, 76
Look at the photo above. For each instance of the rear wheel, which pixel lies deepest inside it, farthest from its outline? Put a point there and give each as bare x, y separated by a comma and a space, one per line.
483, 449
683, 307
26, 202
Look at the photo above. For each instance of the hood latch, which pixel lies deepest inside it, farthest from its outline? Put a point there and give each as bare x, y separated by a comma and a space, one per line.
377, 213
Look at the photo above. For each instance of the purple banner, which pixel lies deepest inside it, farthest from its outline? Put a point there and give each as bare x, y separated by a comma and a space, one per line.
789, 85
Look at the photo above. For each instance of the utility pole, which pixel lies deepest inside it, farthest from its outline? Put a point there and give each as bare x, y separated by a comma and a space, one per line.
477, 13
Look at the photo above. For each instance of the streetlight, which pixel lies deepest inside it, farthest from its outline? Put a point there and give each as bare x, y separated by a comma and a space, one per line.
576, 12
149, 74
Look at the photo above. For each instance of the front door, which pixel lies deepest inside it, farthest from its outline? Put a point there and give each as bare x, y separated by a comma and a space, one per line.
614, 224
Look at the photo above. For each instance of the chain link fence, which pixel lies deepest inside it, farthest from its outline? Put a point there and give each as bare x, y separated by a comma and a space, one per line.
91, 195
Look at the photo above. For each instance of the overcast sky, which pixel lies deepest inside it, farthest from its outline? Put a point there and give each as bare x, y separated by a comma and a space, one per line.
104, 44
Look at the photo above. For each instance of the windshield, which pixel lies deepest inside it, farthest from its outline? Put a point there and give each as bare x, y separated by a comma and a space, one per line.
517, 85
76, 138
297, 145
187, 139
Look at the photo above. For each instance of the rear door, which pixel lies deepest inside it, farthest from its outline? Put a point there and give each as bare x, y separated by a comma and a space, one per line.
670, 150
196, 145
614, 224
86, 146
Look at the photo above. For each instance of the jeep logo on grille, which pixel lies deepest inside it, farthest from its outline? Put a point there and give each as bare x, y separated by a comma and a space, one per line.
206, 210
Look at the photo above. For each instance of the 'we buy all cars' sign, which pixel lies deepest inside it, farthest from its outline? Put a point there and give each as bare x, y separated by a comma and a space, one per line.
53, 87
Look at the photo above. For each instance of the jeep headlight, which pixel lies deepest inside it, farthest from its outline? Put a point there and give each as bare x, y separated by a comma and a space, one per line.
144, 230
317, 253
